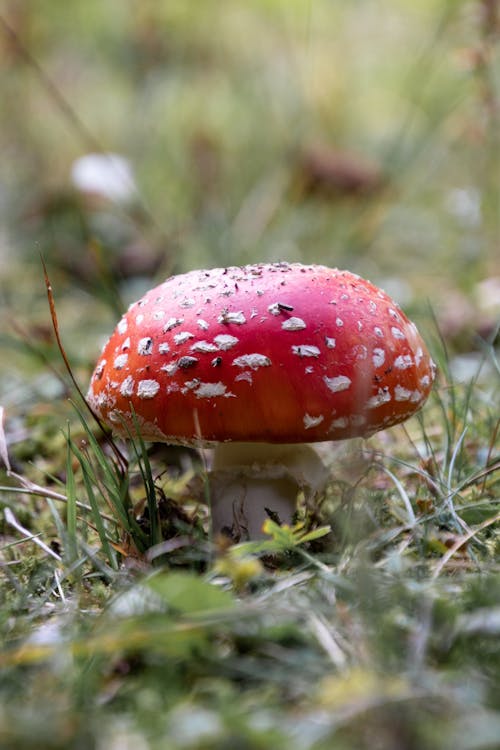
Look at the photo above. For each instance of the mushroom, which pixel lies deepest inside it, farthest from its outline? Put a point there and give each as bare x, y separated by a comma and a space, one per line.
257, 362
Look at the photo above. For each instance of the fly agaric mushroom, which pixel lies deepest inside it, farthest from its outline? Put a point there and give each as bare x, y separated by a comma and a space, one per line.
257, 361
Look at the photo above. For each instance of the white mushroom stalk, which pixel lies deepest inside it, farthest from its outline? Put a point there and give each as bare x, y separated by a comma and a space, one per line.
250, 482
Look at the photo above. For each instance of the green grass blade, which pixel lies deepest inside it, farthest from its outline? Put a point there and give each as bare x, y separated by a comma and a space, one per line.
71, 513
88, 479
110, 477
140, 450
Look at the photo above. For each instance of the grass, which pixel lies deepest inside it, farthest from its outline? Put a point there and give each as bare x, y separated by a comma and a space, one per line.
375, 621
382, 621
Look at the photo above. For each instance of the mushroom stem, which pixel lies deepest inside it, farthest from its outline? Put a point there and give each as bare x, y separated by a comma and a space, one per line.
250, 482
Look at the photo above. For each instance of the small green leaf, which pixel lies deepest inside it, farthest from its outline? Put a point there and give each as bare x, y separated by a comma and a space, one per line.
283, 538
188, 593
311, 536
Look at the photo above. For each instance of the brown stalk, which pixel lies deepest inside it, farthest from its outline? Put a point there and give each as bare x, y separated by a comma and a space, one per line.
55, 325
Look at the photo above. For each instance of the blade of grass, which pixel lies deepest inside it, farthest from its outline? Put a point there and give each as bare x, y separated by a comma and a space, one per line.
460, 543
88, 478
411, 520
4, 453
12, 521
112, 478
71, 513
30, 488
55, 325
58, 522
114, 490
146, 471
454, 456
114, 481
115, 487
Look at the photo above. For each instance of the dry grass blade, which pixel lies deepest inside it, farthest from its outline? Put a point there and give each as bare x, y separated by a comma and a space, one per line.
30, 488
12, 521
4, 453
55, 324
483, 474
461, 541
327, 640
411, 520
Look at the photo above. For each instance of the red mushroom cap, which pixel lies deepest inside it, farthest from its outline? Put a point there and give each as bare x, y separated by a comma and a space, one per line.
270, 353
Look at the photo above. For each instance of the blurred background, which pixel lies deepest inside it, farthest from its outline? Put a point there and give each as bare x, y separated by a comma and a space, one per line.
141, 138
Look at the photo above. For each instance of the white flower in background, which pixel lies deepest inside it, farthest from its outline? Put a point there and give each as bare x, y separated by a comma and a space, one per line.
107, 175
465, 204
